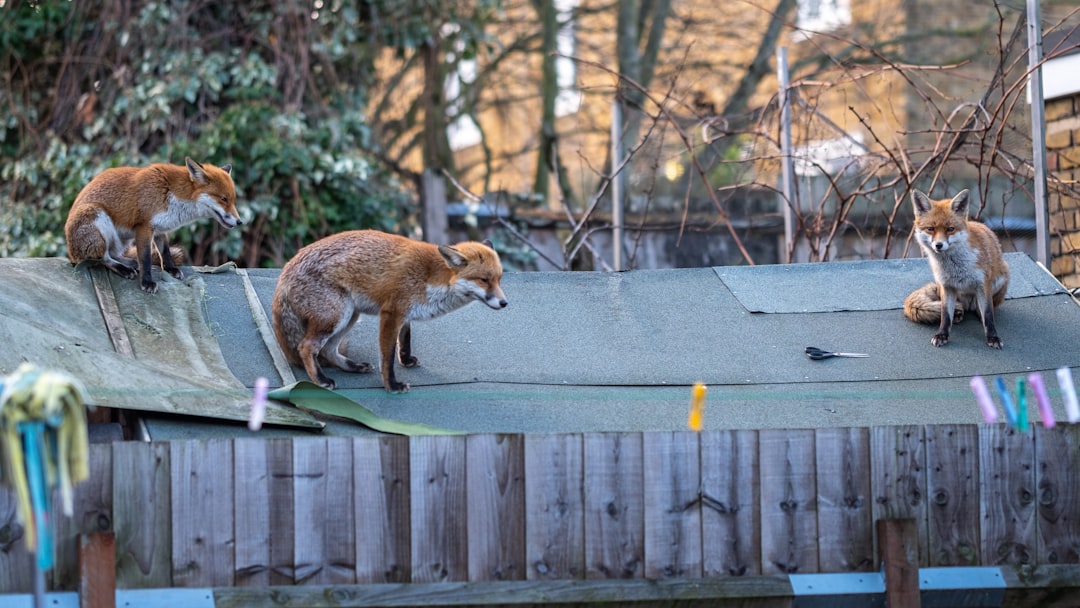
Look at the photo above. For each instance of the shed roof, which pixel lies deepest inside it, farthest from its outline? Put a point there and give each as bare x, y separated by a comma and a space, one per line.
573, 352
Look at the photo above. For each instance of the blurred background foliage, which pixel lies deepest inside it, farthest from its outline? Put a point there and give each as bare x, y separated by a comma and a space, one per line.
277, 89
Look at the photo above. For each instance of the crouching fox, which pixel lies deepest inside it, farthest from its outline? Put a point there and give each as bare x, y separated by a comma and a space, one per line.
142, 205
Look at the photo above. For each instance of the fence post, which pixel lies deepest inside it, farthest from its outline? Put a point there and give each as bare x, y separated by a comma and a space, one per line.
898, 549
97, 570
433, 207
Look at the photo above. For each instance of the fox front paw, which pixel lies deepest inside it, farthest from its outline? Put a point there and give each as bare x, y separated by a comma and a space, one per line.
940, 339
397, 387
176, 273
149, 286
993, 342
410, 361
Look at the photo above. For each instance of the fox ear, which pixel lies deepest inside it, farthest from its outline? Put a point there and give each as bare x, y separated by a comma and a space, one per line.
453, 257
195, 171
487, 243
227, 168
960, 203
920, 201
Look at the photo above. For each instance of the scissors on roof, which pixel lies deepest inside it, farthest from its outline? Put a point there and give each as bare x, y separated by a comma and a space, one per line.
817, 354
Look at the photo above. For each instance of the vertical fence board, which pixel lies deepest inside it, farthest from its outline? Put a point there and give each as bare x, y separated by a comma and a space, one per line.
496, 495
843, 490
202, 513
1057, 453
16, 563
92, 512
898, 477
614, 507
1007, 491
381, 493
324, 533
252, 499
730, 503
439, 507
554, 507
672, 505
143, 514
279, 465
952, 475
789, 533
340, 535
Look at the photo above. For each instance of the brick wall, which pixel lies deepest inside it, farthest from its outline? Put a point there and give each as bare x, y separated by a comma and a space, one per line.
1063, 161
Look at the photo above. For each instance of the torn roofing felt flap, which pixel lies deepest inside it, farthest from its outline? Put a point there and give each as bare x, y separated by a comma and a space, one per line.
52, 318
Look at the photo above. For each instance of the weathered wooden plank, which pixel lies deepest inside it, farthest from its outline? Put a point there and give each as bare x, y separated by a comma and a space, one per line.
898, 477
16, 562
843, 500
744, 592
1057, 456
789, 531
92, 513
952, 476
142, 514
554, 507
1044, 586
253, 502
324, 534
614, 506
1007, 490
202, 513
439, 508
731, 503
382, 500
279, 466
496, 517
672, 505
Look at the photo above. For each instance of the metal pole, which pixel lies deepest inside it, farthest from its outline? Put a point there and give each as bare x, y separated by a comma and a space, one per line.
1038, 133
787, 184
616, 186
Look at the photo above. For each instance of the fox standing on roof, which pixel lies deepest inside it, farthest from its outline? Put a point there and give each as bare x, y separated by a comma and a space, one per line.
322, 291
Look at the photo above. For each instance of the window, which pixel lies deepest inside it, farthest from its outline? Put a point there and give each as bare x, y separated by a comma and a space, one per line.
823, 15
569, 98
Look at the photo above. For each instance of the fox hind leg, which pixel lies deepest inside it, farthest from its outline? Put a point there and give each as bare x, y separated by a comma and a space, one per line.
334, 349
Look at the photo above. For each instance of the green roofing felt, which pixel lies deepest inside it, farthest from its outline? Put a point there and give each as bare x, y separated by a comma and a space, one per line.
577, 352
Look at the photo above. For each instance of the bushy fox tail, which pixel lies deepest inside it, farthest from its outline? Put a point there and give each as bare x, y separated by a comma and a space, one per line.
175, 252
924, 305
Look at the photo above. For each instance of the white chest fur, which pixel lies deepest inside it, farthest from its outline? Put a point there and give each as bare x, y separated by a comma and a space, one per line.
181, 212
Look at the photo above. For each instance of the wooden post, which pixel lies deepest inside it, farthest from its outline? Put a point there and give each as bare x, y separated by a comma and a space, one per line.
97, 570
433, 206
898, 550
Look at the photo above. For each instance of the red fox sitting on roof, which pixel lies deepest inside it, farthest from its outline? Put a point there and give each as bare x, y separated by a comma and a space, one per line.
324, 288
969, 270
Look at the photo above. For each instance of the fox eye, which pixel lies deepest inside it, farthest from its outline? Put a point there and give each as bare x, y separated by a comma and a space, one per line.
484, 281
950, 230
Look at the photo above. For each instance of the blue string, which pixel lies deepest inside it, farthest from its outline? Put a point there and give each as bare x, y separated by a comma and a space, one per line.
33, 437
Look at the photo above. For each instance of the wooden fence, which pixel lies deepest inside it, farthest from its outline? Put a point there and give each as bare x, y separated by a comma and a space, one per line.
656, 505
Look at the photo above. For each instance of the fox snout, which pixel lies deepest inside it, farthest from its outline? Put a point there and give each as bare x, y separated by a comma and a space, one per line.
496, 300
941, 245
227, 220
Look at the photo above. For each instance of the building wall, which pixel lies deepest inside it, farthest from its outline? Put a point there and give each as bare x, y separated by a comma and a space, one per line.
1063, 160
